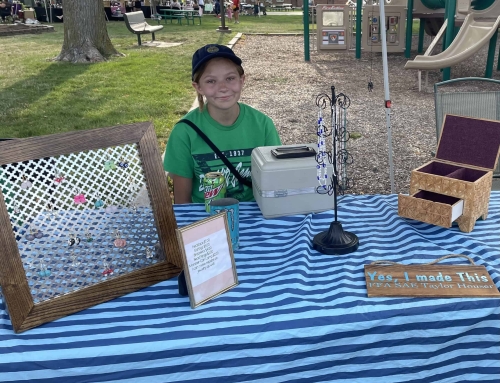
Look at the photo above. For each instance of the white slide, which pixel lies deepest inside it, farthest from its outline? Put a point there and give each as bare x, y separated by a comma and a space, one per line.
470, 38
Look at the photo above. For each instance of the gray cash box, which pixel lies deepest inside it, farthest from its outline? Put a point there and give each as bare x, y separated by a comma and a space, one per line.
287, 186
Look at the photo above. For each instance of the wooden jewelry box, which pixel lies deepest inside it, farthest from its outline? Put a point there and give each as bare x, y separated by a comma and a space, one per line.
456, 185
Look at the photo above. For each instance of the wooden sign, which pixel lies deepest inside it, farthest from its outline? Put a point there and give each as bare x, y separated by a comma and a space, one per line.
208, 258
429, 281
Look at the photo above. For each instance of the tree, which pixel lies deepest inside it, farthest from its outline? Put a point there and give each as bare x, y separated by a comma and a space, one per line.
86, 38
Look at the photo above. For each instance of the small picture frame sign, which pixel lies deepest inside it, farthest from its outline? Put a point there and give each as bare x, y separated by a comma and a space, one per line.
208, 258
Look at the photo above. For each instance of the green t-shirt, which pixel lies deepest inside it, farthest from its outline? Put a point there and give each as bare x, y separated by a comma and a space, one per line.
187, 154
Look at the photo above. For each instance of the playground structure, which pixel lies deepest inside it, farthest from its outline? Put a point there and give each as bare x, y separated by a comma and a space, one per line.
477, 22
479, 26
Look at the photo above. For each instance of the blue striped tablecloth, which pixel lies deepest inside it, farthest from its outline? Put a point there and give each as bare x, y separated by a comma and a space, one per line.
296, 316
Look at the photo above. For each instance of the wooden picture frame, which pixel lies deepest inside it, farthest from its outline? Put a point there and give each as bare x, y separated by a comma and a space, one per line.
24, 312
208, 258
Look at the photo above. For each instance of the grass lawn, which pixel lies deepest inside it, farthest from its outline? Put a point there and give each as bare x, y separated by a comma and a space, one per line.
39, 96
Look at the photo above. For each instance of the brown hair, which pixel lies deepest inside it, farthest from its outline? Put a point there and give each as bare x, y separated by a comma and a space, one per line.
199, 73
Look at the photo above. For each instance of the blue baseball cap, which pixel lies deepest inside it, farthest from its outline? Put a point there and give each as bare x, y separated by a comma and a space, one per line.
211, 51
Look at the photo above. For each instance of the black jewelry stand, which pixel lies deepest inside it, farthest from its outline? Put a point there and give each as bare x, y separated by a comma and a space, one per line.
335, 241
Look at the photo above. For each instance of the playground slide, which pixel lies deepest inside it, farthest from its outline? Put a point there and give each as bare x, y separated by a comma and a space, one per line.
470, 38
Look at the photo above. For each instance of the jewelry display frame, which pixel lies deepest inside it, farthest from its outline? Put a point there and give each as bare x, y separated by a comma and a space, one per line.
23, 311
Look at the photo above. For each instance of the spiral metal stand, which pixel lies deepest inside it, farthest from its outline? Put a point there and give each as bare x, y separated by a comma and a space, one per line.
334, 241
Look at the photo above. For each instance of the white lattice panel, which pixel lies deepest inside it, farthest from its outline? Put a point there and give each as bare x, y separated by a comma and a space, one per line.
78, 219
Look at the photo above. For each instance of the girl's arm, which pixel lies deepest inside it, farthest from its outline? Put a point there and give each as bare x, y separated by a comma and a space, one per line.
182, 189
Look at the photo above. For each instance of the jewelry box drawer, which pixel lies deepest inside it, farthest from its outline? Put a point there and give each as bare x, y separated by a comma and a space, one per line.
429, 207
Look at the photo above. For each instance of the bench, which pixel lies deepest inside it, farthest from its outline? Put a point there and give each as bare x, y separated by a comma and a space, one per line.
136, 23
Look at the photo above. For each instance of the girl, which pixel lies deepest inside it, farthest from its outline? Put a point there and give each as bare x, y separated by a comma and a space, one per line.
235, 128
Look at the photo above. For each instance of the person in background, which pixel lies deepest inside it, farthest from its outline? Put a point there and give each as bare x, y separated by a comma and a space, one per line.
175, 5
235, 128
229, 11
137, 6
263, 9
236, 11
217, 8
201, 4
256, 10
5, 10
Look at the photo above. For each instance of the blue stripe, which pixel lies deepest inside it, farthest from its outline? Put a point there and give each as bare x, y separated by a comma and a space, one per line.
296, 316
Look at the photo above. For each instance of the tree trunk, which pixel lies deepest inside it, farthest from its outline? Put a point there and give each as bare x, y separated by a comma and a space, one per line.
86, 38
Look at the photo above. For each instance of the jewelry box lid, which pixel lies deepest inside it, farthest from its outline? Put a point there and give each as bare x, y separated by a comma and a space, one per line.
469, 141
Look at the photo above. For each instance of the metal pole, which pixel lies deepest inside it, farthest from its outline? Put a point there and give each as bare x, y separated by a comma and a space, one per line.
333, 115
222, 27
450, 32
498, 63
409, 28
46, 12
421, 30
386, 91
359, 7
491, 55
306, 31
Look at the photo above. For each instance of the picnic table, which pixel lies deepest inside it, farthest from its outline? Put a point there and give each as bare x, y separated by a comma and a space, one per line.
179, 14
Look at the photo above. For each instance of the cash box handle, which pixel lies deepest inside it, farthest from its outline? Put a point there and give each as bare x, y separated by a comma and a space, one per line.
293, 152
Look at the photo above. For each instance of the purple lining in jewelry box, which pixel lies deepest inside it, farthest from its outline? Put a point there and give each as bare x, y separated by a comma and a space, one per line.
470, 141
66, 275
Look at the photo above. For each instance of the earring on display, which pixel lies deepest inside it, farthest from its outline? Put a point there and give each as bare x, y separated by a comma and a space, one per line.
99, 202
123, 163
31, 235
26, 184
74, 259
79, 197
149, 253
88, 235
44, 272
110, 208
132, 185
29, 263
73, 239
109, 164
119, 241
133, 207
38, 234
58, 177
16, 209
107, 270
52, 213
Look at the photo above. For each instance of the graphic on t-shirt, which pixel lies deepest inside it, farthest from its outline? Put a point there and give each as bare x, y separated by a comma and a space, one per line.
210, 162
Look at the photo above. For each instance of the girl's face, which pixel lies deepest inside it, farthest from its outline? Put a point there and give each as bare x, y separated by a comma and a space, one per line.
221, 84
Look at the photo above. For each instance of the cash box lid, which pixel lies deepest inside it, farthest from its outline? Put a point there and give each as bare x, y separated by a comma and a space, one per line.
469, 141
270, 173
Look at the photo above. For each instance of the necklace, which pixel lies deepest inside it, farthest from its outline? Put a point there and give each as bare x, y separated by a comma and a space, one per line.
321, 169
